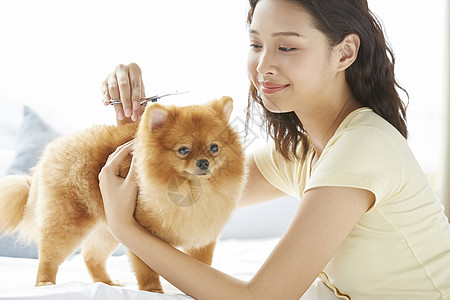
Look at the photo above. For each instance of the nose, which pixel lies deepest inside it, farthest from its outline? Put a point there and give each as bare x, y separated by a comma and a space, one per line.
202, 164
266, 64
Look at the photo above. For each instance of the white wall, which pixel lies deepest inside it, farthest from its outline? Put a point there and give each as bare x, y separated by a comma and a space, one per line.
416, 32
56, 53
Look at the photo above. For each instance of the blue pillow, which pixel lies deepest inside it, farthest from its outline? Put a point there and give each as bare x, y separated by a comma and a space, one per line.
33, 135
11, 246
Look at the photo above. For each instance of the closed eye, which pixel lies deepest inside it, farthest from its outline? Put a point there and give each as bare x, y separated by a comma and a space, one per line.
286, 49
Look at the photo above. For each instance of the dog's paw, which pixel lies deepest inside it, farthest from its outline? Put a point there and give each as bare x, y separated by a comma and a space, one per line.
44, 283
154, 288
160, 291
114, 283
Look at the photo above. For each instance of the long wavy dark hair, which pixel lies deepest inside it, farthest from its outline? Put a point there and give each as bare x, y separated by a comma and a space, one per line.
371, 77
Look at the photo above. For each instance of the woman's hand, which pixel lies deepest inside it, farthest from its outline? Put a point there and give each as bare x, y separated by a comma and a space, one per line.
119, 194
125, 83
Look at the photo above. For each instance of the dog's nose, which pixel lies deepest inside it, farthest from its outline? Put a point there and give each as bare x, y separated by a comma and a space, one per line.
203, 164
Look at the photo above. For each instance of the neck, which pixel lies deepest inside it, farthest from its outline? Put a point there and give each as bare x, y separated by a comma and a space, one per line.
321, 122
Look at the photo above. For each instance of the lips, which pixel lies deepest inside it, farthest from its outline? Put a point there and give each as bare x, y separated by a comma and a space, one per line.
268, 87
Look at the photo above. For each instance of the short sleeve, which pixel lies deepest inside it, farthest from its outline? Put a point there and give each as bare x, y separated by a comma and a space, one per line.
363, 157
276, 169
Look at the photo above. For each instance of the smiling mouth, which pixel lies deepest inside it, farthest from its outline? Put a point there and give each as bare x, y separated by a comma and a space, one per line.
267, 87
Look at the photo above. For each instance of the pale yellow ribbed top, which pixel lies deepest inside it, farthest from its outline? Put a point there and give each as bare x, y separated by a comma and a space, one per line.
400, 249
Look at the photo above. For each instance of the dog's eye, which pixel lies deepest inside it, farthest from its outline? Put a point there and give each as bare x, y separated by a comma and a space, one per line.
213, 148
184, 150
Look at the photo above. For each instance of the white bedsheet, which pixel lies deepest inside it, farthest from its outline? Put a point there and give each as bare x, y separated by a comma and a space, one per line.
239, 258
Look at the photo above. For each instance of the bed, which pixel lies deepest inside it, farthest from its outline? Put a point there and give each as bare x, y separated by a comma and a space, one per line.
243, 246
238, 257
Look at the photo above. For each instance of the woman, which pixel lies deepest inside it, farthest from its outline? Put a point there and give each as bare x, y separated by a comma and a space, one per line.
368, 223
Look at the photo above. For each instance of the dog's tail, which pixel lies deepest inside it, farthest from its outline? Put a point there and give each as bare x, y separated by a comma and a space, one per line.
14, 191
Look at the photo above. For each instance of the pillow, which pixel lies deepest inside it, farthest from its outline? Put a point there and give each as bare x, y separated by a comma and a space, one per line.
31, 139
11, 246
265, 220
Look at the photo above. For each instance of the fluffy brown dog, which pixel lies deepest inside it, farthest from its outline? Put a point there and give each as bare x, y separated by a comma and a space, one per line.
190, 172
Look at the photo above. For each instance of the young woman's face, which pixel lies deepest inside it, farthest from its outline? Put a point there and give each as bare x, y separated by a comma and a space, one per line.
290, 62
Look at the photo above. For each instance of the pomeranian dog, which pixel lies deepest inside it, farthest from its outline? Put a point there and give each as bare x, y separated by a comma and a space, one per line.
190, 173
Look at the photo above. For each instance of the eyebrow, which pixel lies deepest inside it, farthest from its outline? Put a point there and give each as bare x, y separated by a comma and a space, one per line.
281, 33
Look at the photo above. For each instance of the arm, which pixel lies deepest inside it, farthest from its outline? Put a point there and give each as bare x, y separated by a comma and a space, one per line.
323, 220
257, 189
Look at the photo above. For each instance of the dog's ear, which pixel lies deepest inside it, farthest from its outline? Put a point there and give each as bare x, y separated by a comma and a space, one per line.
157, 116
223, 106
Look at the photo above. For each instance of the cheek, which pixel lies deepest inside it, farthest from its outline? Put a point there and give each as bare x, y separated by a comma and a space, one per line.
252, 63
306, 72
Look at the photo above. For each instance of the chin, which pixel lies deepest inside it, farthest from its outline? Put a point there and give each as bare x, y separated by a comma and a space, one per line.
274, 106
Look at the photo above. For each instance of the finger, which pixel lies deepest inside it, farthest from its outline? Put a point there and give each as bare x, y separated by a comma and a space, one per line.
141, 111
128, 144
121, 147
116, 158
142, 108
112, 86
135, 76
142, 88
122, 153
123, 81
114, 154
119, 111
113, 91
105, 93
131, 176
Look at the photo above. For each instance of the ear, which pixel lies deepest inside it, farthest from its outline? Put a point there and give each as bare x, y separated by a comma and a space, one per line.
157, 116
223, 106
348, 51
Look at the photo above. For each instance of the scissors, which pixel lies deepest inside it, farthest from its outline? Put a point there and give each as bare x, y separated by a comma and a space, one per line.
145, 100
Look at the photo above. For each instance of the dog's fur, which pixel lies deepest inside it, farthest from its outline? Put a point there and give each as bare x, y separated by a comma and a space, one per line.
61, 207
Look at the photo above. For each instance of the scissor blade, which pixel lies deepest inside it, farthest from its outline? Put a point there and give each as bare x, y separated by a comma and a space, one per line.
156, 97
